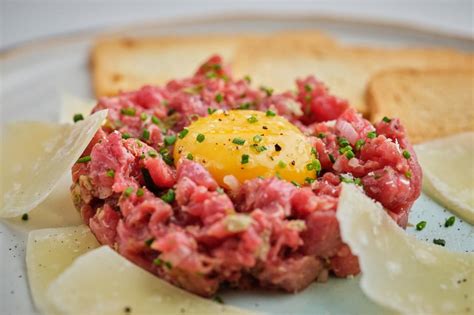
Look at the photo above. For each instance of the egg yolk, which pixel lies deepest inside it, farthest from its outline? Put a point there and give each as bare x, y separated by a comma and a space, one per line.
247, 144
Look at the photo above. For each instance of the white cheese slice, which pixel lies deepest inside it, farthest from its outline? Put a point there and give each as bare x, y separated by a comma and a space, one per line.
35, 156
102, 282
57, 210
71, 105
48, 253
448, 169
399, 271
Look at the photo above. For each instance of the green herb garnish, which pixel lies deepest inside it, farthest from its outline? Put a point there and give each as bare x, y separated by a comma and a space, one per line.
77, 117
420, 225
270, 113
84, 159
169, 196
183, 133
169, 140
200, 137
127, 192
110, 173
372, 135
129, 111
244, 159
450, 221
238, 141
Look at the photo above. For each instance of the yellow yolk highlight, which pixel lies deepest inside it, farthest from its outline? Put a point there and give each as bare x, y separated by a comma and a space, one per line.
247, 144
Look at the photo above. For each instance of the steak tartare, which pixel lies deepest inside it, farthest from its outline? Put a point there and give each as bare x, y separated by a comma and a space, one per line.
174, 220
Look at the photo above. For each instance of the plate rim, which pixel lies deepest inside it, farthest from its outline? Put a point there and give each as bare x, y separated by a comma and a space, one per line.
45, 42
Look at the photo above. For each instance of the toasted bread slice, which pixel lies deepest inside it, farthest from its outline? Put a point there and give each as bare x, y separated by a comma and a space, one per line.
345, 70
126, 64
430, 103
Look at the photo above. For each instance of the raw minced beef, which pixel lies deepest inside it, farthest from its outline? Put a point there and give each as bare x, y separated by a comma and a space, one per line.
180, 225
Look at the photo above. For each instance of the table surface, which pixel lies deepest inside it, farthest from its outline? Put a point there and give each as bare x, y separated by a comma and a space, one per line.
25, 20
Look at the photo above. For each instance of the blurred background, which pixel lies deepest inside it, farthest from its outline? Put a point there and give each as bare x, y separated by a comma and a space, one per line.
26, 20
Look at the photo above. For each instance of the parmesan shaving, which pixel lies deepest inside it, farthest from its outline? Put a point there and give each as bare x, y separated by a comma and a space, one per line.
102, 282
48, 253
399, 271
35, 156
448, 166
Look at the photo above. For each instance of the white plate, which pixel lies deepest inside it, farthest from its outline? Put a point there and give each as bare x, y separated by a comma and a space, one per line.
34, 76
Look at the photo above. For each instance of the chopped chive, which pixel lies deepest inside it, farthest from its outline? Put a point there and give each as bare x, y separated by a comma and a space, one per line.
309, 180
259, 148
308, 88
321, 135
143, 116
386, 119
346, 180
155, 120
359, 143
252, 119
110, 173
420, 225
211, 111
343, 142
295, 183
169, 196
77, 117
168, 159
24, 217
372, 135
146, 134
84, 159
126, 136
248, 79
152, 153
219, 97
314, 165
140, 192
439, 241
408, 174
211, 74
245, 105
257, 138
281, 164
270, 113
149, 241
358, 181
183, 133
343, 150
244, 159
200, 137
332, 158
129, 111
190, 156
267, 90
349, 154
127, 192
406, 154
450, 221
169, 140
238, 141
